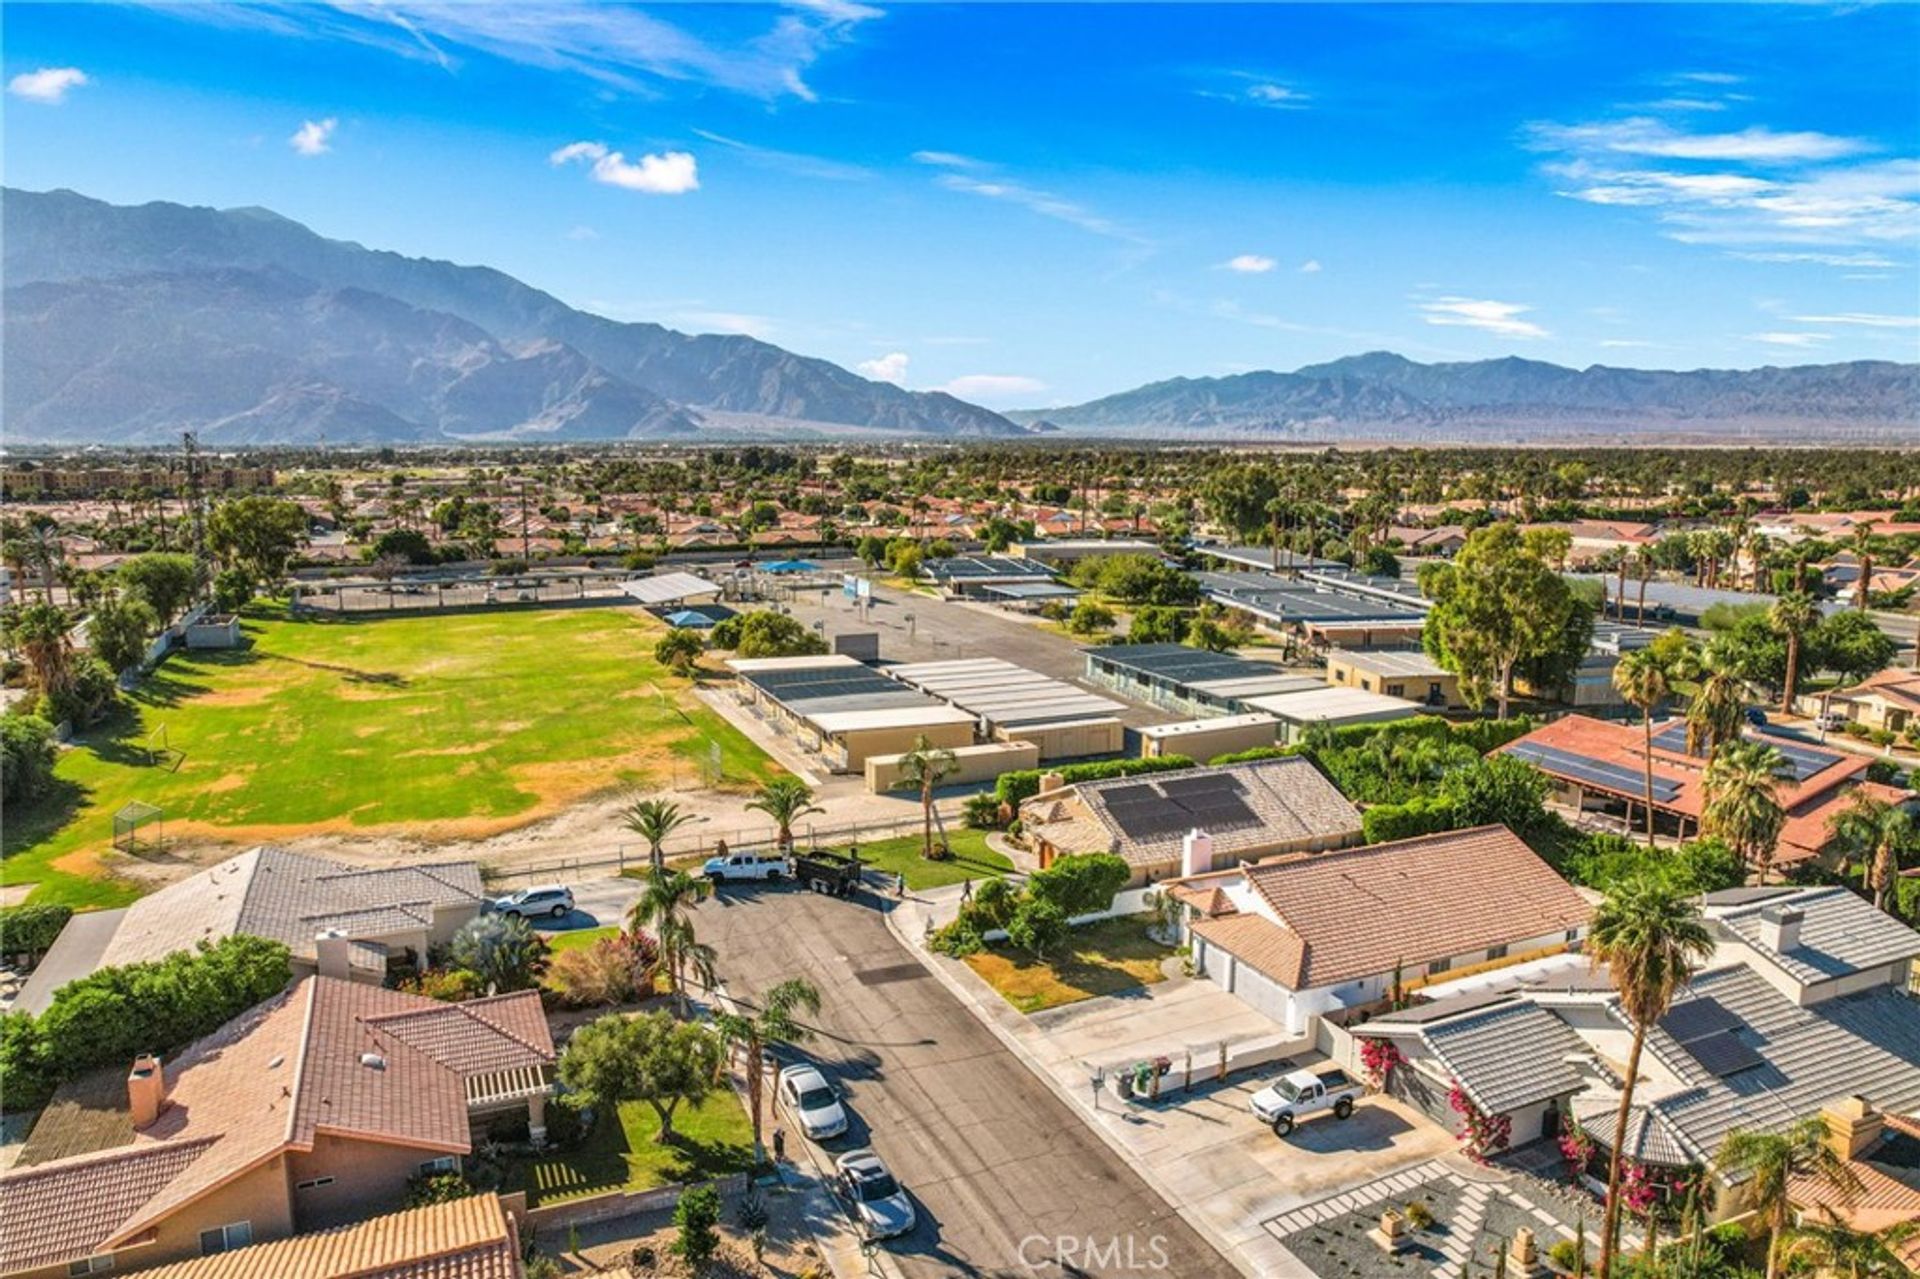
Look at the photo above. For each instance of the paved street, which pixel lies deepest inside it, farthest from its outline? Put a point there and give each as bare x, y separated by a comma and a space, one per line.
1000, 1168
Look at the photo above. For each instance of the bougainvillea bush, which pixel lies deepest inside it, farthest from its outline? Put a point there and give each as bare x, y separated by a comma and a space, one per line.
1481, 1135
1378, 1057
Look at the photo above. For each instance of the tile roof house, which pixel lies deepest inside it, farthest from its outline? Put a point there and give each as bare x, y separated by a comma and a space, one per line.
1245, 811
1735, 1052
1813, 943
1889, 700
308, 1111
279, 895
1598, 760
470, 1238
1306, 935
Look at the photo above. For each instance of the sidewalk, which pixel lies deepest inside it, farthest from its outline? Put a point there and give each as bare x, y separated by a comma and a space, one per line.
1222, 1172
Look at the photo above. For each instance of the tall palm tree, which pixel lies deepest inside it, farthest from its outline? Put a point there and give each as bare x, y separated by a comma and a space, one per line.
1793, 615
773, 1023
786, 800
39, 632
1832, 1247
1652, 940
1641, 678
1718, 707
654, 820
923, 769
1880, 832
1862, 552
1769, 1162
1742, 784
666, 906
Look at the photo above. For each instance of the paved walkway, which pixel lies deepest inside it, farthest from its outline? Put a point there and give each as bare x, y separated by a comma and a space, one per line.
1202, 1150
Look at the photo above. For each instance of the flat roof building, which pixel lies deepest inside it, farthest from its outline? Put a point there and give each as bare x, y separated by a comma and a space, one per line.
1398, 672
968, 575
1192, 681
1204, 739
844, 710
1013, 703
1299, 713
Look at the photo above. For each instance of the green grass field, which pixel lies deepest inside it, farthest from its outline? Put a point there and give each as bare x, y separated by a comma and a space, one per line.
712, 1139
458, 726
971, 859
1103, 958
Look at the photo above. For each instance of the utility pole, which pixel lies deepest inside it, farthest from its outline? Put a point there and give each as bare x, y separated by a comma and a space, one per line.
526, 555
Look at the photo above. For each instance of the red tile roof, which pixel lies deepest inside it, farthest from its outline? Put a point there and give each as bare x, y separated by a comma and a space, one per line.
469, 1238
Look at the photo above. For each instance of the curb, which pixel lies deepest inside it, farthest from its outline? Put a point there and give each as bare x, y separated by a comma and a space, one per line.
1205, 1229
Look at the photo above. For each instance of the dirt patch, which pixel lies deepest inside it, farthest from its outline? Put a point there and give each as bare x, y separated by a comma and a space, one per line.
231, 782
368, 730
471, 748
251, 695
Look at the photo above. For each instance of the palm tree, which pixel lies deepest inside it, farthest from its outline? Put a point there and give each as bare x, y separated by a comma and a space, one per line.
774, 1023
39, 631
665, 907
1862, 552
1793, 615
1742, 784
1769, 1162
923, 769
1875, 829
1834, 1248
1652, 939
1642, 680
1719, 705
786, 800
654, 820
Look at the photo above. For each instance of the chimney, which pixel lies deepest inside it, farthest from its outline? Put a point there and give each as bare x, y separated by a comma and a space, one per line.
1780, 928
332, 949
1196, 852
146, 1090
1852, 1126
1051, 782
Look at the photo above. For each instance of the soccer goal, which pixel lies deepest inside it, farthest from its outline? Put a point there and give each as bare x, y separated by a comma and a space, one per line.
140, 828
161, 754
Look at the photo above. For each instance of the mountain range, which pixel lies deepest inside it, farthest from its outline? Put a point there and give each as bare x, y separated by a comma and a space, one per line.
128, 324
1383, 395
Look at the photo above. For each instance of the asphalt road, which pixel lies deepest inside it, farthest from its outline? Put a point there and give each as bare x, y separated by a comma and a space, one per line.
1007, 1180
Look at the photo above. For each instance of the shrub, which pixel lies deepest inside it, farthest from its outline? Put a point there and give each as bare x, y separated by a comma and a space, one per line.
769, 634
232, 588
1038, 925
1088, 617
1883, 771
1023, 784
1418, 1215
1486, 735
1422, 815
425, 1189
448, 985
1083, 884
30, 930
27, 755
696, 1217
86, 697
1499, 789
503, 950
981, 812
611, 971
1257, 752
29, 1080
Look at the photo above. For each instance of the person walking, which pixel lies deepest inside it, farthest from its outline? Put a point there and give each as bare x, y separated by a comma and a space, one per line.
779, 1145
966, 891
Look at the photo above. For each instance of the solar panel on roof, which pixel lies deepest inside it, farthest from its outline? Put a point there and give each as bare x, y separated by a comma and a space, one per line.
1180, 787
1697, 1018
1613, 777
1129, 794
1802, 761
1672, 738
1722, 1054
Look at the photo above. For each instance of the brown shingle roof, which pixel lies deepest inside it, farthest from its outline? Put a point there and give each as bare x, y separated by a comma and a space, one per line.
1358, 912
468, 1238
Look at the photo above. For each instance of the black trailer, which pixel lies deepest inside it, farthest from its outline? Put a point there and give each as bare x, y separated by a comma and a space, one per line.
825, 872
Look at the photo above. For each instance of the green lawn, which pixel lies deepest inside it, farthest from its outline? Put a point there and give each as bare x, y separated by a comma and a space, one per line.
578, 938
1103, 958
971, 859
712, 1139
463, 725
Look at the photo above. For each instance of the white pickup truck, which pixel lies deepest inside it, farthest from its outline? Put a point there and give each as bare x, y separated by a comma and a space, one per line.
744, 866
1300, 1093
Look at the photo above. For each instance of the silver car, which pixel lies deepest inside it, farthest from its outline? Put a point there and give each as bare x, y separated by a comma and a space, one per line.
881, 1207
552, 900
813, 1101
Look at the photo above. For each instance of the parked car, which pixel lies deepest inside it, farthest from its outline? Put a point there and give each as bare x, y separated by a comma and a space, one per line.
814, 1102
1830, 721
881, 1207
552, 900
1301, 1093
1756, 717
768, 866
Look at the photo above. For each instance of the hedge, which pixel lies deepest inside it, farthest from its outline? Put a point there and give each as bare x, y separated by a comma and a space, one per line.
1023, 784
115, 1014
1255, 753
1422, 815
30, 930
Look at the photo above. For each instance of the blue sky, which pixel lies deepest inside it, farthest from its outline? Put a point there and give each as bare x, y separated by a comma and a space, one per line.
1039, 205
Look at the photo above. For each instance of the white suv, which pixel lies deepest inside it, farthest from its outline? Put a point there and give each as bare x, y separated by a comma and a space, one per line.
552, 900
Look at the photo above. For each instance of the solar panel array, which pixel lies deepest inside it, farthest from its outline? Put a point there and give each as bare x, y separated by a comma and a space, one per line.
1802, 762
1706, 1028
817, 690
965, 567
1579, 768
1153, 809
1177, 663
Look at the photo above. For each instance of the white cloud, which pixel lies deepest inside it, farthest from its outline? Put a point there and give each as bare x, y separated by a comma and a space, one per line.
1863, 319
48, 84
1628, 343
794, 162
1250, 88
1502, 318
669, 173
891, 367
582, 233
1310, 267
753, 326
1002, 389
1685, 104
1709, 77
1250, 264
1642, 135
315, 137
1874, 260
627, 48
965, 174
1798, 340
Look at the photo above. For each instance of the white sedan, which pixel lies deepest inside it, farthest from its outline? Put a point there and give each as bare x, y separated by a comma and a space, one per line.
813, 1101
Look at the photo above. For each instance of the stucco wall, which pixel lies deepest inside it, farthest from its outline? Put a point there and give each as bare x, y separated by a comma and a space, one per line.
368, 1178
976, 764
259, 1198
864, 744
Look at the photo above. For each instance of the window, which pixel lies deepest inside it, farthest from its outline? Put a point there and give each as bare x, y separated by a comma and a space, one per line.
1496, 952
446, 1163
91, 1265
314, 1184
1439, 966
226, 1238
1396, 690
